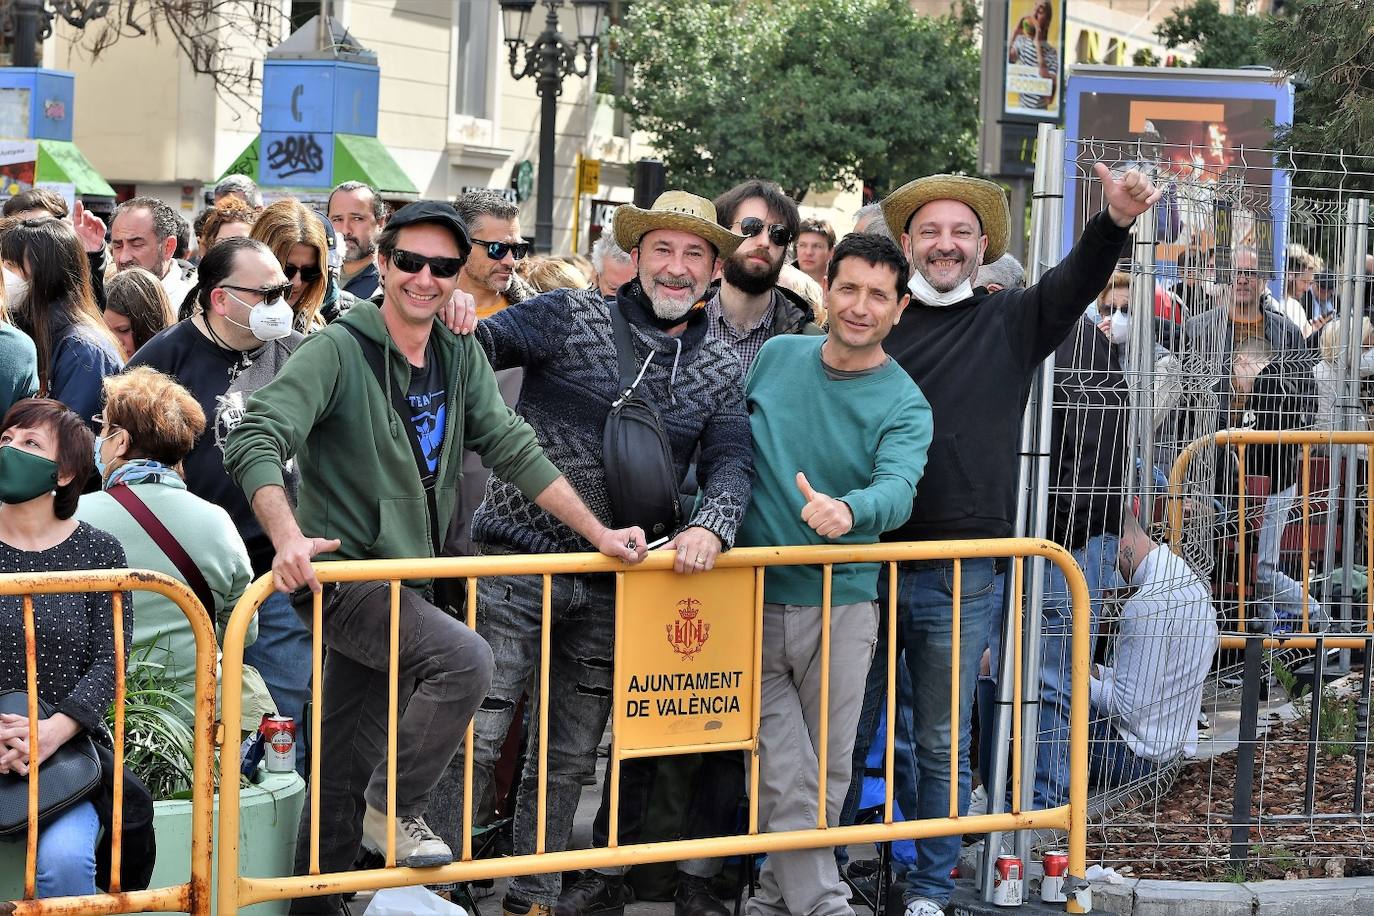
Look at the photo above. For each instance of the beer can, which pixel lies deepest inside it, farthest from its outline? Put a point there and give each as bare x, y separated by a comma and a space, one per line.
1006, 881
1056, 866
279, 743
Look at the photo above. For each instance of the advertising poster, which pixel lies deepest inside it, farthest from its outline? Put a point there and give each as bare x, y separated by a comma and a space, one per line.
18, 161
1035, 59
1207, 137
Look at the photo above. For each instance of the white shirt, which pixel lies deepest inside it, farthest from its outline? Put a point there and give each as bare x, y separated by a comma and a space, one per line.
1164, 647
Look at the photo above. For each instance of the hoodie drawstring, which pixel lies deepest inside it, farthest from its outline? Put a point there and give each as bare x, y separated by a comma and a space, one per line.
672, 377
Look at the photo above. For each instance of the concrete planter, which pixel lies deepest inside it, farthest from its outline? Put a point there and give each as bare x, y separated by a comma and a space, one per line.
267, 842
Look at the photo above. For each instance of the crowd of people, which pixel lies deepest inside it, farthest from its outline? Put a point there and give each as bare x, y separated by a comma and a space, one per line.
364, 384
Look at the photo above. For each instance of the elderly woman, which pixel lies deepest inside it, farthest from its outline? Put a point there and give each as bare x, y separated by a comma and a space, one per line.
45, 457
148, 425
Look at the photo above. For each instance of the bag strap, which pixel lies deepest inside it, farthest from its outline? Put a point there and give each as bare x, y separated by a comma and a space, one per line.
372, 353
166, 542
624, 349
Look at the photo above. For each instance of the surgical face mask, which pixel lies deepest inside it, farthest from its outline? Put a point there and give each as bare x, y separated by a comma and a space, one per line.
923, 292
16, 288
24, 475
266, 320
1121, 327
99, 461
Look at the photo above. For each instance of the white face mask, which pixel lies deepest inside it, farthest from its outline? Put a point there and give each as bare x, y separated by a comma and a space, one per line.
267, 320
1121, 327
926, 294
16, 287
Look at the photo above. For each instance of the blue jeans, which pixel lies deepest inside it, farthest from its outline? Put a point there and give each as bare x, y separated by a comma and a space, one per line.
925, 633
66, 853
1111, 762
281, 654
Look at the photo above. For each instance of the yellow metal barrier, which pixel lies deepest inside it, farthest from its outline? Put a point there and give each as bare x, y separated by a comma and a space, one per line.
1306, 438
235, 890
194, 896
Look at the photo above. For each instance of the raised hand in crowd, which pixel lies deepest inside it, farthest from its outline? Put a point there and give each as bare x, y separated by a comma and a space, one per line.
829, 517
89, 228
1128, 196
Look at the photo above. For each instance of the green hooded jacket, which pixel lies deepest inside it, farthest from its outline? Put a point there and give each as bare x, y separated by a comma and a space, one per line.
359, 482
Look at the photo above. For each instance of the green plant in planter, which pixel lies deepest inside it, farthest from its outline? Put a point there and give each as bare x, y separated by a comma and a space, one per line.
158, 746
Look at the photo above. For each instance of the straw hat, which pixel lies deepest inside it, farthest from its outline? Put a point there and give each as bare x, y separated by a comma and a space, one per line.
985, 198
674, 210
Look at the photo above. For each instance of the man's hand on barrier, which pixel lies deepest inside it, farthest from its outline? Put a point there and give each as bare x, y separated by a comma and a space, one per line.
459, 313
827, 516
697, 549
1128, 196
291, 566
627, 544
53, 732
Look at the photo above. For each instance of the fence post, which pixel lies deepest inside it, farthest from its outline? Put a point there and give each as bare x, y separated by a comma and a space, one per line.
1245, 748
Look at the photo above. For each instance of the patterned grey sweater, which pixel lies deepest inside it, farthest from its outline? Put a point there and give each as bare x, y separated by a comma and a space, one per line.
563, 340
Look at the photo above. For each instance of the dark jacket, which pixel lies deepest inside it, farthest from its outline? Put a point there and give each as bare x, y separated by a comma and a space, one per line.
1087, 439
1276, 403
974, 361
365, 283
792, 314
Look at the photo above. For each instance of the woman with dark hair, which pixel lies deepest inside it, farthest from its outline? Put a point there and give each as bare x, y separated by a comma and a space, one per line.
136, 308
45, 456
56, 307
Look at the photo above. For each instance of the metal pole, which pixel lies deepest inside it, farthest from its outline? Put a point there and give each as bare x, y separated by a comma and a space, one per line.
1140, 419
1245, 750
1020, 190
27, 46
1354, 349
1032, 503
550, 83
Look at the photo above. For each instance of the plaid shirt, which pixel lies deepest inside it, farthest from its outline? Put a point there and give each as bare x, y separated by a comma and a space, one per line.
746, 345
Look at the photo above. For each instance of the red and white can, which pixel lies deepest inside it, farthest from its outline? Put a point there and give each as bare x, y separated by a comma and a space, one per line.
1056, 865
1007, 881
278, 743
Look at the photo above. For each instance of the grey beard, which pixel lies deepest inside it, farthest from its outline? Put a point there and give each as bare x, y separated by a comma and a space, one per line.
670, 311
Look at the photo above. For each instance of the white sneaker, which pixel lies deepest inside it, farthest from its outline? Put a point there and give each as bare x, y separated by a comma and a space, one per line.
922, 906
416, 845
978, 801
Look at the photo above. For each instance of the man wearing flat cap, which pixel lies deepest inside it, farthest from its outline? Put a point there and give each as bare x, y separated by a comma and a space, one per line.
973, 353
566, 342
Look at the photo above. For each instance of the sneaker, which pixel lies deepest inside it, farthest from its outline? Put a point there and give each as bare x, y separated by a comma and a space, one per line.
695, 898
416, 845
923, 906
593, 893
978, 801
514, 906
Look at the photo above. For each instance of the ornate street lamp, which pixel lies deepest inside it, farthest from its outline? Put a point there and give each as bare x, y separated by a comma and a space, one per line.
550, 58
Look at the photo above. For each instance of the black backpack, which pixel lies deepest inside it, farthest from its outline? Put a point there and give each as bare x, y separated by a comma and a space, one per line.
641, 483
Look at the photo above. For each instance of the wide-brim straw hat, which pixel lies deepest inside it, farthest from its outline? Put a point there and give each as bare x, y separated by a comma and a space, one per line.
985, 198
674, 210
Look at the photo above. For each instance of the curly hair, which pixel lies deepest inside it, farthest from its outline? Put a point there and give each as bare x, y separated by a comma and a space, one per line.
227, 211
161, 417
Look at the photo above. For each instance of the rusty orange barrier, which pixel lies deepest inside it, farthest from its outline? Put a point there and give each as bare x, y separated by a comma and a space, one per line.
193, 896
747, 564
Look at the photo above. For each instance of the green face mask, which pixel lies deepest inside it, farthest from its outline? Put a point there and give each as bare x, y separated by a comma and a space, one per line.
24, 475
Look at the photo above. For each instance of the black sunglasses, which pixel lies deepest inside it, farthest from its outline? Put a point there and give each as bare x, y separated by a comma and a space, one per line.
498, 250
268, 294
411, 263
308, 274
778, 234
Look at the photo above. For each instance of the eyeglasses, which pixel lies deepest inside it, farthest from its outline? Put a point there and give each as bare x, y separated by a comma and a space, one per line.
308, 274
778, 234
498, 250
268, 294
411, 263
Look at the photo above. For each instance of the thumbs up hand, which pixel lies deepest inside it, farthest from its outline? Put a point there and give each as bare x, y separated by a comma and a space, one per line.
827, 516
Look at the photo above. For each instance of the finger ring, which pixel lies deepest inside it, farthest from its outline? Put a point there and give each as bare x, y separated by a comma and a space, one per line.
700, 560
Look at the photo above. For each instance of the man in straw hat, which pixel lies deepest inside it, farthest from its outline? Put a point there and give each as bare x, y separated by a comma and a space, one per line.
564, 339
973, 354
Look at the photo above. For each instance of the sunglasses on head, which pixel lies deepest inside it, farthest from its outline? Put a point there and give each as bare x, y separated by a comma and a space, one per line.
498, 250
411, 263
268, 294
778, 234
308, 274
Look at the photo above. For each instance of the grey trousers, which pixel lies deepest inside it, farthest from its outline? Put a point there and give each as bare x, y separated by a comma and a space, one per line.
445, 671
806, 882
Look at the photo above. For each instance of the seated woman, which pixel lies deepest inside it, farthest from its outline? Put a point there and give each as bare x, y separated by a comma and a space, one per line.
45, 457
148, 425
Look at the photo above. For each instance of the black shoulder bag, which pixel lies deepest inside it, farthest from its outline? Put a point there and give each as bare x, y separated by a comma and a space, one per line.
641, 483
68, 778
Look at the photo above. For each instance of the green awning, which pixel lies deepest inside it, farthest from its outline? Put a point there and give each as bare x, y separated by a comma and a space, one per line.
61, 161
356, 158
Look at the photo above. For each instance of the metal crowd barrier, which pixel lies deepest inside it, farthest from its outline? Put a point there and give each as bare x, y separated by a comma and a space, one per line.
1306, 637
193, 896
236, 890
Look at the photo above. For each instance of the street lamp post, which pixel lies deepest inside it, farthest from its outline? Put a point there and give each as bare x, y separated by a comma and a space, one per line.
550, 59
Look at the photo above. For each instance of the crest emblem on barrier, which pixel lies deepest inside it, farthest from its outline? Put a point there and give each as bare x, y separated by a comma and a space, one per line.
687, 635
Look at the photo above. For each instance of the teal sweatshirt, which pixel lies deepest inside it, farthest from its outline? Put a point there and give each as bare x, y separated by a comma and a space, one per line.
862, 440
